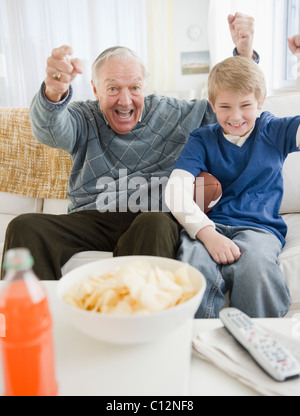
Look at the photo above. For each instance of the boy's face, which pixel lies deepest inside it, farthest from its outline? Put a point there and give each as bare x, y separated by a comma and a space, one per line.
235, 113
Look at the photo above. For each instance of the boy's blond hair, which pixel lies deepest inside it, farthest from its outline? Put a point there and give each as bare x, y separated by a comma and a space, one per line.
239, 75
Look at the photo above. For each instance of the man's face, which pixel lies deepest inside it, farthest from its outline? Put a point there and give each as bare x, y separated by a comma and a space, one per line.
121, 90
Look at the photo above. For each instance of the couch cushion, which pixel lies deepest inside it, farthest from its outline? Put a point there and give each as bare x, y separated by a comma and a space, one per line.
5, 219
17, 204
289, 259
83, 258
12, 205
1, 251
55, 206
283, 105
286, 105
291, 175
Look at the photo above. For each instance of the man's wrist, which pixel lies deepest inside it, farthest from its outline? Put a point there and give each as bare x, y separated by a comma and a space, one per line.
255, 55
51, 105
54, 97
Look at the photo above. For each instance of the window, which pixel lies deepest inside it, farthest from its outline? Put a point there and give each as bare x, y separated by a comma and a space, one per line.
293, 26
286, 24
30, 29
274, 21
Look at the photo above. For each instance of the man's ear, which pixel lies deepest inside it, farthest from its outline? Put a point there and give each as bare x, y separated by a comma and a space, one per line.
95, 90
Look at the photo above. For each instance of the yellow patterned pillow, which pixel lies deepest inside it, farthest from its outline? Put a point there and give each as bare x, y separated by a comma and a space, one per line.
28, 167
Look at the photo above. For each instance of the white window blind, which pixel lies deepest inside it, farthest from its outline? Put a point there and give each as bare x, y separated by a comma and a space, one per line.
286, 17
30, 29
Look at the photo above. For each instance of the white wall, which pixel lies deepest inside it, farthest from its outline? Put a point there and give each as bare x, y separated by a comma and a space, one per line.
186, 14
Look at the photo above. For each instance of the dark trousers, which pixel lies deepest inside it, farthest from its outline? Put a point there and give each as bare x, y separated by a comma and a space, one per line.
54, 239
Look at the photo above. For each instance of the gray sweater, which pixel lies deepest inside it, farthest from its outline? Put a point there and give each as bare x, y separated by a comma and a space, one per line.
112, 171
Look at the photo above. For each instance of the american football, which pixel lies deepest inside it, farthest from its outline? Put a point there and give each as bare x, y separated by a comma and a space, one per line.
208, 191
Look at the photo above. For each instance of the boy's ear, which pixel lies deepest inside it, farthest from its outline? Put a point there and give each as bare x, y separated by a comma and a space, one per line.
211, 103
260, 105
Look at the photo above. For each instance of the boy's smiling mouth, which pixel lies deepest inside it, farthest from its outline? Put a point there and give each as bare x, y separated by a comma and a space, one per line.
237, 125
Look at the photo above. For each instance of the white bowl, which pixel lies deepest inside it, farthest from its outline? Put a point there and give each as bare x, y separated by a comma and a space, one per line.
129, 329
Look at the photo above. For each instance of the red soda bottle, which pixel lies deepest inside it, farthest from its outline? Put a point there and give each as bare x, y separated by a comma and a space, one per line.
27, 345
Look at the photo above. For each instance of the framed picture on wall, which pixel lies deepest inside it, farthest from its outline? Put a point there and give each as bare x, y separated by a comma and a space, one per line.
195, 63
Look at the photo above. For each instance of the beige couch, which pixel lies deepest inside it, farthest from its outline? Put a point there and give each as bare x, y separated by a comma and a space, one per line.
33, 178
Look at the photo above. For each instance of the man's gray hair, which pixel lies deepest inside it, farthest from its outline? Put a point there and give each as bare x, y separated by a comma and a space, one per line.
116, 52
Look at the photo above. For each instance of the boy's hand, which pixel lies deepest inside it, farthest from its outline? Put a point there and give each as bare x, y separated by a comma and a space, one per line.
241, 28
294, 45
221, 249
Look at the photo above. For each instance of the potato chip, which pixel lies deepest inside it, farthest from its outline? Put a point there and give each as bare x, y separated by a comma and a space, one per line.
134, 288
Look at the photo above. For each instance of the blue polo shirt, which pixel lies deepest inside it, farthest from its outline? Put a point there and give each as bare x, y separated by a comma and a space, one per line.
251, 175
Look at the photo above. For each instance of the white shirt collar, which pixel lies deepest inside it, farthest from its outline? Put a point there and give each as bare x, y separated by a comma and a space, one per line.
237, 140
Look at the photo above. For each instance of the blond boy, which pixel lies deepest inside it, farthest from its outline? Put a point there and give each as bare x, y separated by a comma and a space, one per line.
236, 245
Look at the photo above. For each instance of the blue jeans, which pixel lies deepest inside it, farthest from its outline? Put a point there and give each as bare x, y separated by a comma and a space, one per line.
255, 283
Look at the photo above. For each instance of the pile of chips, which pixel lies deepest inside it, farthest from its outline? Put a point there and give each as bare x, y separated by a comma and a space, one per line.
134, 288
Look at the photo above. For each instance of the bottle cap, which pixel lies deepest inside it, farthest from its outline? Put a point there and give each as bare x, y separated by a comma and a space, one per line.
18, 259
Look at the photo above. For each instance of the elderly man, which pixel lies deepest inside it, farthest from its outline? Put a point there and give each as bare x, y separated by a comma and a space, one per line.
123, 146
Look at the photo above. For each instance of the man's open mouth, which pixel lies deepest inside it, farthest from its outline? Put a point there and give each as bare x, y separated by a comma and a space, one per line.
124, 114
